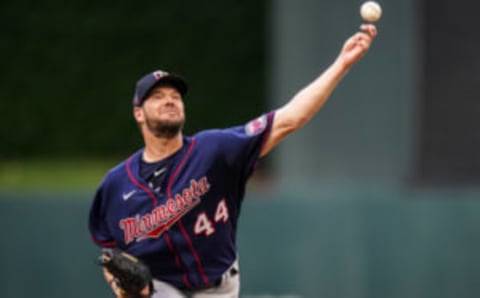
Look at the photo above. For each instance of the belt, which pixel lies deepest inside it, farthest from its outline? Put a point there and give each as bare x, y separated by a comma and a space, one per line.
230, 273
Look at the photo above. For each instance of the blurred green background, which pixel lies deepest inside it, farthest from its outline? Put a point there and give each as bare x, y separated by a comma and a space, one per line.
376, 197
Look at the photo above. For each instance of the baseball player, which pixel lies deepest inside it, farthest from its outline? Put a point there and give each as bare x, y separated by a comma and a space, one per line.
175, 203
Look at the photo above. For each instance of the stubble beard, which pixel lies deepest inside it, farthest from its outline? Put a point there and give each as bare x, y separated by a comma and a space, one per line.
166, 129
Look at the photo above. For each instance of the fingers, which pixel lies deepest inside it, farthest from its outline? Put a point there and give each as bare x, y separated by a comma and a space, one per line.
366, 35
361, 40
357, 45
112, 283
108, 276
145, 291
369, 29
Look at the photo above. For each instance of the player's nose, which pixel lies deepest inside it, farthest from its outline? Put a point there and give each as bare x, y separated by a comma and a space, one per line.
169, 101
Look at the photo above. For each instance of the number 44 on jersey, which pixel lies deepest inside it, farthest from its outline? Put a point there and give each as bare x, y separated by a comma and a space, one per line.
205, 225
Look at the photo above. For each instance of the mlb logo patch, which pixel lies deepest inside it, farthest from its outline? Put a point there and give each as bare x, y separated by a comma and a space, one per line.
256, 126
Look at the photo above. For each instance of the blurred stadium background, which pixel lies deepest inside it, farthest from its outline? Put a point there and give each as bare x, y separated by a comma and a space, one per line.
377, 197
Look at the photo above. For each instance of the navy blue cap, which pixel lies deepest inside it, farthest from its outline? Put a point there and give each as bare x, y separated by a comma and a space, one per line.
147, 82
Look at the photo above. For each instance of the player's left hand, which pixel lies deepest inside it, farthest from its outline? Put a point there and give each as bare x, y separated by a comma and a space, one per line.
127, 276
118, 291
357, 45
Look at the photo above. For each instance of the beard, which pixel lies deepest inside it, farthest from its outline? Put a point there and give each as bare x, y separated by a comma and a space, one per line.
167, 129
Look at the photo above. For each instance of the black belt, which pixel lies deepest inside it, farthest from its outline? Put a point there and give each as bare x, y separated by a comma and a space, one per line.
231, 272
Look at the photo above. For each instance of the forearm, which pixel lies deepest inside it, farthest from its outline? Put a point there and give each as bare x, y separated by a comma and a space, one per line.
309, 100
303, 106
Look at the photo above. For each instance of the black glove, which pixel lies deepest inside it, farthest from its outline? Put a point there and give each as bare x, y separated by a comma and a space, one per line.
130, 274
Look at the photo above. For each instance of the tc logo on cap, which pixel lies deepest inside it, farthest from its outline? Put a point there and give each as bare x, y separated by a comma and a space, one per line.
150, 80
159, 74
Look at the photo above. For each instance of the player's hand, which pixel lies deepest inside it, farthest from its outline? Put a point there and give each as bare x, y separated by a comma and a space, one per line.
357, 45
111, 281
117, 291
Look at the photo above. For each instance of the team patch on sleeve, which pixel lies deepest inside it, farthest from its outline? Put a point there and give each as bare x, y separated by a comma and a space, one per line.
256, 126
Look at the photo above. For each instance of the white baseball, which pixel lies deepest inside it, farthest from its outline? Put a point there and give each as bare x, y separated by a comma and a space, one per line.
370, 11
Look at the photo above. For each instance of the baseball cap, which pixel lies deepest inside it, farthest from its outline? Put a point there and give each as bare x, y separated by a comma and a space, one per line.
150, 80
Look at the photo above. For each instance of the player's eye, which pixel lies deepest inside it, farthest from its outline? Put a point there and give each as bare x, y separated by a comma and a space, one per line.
157, 96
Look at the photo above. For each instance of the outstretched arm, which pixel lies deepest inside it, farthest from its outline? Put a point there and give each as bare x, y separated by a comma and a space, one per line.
303, 106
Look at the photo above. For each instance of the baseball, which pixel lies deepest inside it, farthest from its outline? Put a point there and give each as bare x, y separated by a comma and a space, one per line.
370, 11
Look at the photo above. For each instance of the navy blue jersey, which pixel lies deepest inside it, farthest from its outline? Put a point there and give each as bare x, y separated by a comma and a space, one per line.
186, 231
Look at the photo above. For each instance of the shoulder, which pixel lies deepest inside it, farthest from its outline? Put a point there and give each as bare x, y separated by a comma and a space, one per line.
211, 137
208, 134
115, 171
250, 130
120, 171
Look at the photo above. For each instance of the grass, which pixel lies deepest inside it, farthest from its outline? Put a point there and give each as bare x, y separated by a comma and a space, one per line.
52, 175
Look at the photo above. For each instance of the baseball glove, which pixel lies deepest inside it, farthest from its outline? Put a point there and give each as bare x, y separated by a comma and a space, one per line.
130, 274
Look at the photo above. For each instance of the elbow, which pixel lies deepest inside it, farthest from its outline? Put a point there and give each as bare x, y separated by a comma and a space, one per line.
294, 124
288, 120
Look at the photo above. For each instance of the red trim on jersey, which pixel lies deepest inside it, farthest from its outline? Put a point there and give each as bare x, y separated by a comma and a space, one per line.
103, 243
175, 173
177, 259
137, 183
166, 236
184, 232
195, 255
265, 136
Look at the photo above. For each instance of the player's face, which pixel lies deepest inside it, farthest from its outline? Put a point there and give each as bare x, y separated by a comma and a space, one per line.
163, 112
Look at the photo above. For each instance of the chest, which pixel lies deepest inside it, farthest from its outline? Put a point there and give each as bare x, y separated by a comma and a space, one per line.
143, 210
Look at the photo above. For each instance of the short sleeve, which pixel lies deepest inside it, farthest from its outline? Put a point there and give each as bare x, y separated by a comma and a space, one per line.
97, 225
241, 145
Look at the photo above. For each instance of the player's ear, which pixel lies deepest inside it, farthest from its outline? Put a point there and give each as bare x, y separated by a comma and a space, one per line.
138, 114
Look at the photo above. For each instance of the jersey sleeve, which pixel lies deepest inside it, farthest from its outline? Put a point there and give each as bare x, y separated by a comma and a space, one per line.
242, 144
97, 225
